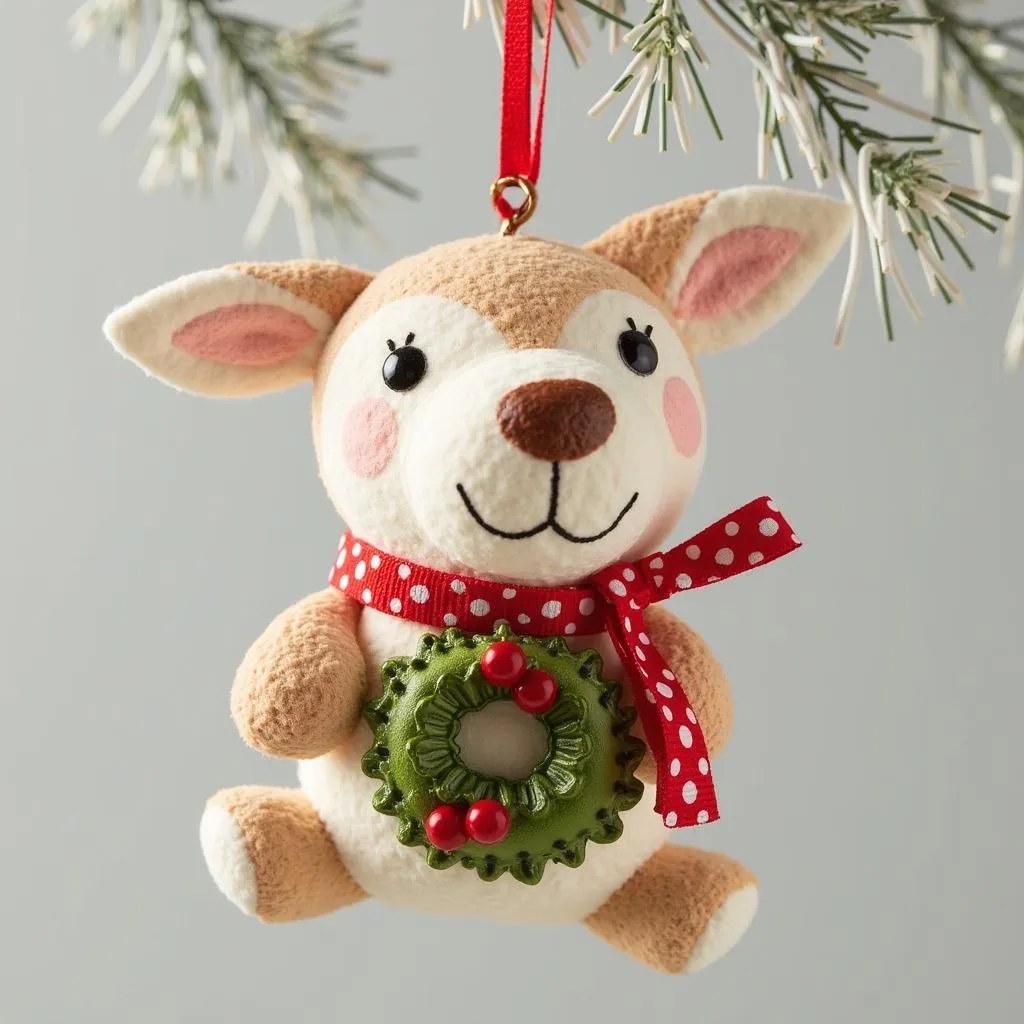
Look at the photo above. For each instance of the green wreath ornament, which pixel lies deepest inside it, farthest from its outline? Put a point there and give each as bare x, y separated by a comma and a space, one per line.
490, 824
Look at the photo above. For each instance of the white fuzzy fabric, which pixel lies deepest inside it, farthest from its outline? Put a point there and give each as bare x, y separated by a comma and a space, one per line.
399, 875
227, 857
502, 740
726, 927
823, 223
448, 434
142, 331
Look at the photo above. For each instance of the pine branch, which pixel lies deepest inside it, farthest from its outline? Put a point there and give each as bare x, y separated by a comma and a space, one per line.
825, 104
803, 90
977, 51
965, 57
280, 89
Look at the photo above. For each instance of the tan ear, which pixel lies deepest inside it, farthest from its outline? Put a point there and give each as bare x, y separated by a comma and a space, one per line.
247, 329
730, 264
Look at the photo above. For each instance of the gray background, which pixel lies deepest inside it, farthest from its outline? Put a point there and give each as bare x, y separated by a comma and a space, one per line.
873, 781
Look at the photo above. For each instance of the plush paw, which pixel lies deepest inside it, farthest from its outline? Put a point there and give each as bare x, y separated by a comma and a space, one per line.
684, 909
724, 929
227, 857
271, 855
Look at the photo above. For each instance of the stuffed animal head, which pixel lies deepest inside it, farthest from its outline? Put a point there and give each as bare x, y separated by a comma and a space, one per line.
508, 407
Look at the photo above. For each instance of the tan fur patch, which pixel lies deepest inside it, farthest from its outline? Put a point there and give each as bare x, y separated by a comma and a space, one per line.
527, 287
299, 873
648, 244
330, 286
300, 690
693, 662
660, 913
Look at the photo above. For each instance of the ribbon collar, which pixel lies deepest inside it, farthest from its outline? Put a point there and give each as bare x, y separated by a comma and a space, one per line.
612, 601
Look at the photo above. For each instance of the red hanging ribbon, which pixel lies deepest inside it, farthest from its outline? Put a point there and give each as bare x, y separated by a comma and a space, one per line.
612, 601
519, 152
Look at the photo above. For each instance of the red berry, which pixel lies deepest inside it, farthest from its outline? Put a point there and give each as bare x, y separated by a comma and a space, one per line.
503, 663
537, 692
487, 822
446, 827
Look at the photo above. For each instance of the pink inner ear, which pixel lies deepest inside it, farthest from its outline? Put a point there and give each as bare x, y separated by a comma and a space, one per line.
254, 334
735, 268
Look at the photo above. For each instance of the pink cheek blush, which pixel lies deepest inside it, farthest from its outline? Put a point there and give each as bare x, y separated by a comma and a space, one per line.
370, 437
682, 414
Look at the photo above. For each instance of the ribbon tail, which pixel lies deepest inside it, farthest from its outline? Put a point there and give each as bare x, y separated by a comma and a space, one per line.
685, 793
646, 711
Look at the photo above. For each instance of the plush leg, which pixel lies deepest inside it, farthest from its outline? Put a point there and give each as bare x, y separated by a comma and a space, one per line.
681, 911
271, 855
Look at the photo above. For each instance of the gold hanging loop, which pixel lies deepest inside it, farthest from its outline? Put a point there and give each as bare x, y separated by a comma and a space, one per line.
520, 214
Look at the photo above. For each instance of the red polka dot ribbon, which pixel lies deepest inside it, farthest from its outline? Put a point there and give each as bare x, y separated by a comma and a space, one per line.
613, 602
519, 150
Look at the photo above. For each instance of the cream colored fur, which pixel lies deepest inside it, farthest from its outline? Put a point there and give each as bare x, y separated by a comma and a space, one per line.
502, 740
227, 858
725, 929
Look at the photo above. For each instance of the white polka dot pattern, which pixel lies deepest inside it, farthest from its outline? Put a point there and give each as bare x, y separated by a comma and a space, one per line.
612, 601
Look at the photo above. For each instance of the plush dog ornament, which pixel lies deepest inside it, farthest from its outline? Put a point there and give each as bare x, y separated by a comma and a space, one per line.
491, 713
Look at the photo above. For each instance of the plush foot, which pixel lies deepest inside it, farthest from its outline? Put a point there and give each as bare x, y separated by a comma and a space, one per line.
681, 911
271, 855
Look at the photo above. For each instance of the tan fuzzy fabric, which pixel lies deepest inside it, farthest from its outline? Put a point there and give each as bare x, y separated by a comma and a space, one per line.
528, 287
649, 244
330, 286
299, 873
300, 690
702, 677
660, 913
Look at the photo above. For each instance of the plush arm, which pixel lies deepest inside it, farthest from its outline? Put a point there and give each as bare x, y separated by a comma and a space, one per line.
300, 690
702, 677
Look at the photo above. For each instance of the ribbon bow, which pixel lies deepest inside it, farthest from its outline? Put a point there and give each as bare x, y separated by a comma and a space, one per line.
753, 535
612, 601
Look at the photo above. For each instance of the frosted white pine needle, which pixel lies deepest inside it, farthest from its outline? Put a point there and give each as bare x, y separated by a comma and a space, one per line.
664, 66
964, 60
615, 30
1015, 340
123, 17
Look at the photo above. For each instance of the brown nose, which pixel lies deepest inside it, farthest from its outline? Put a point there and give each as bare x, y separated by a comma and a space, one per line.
557, 420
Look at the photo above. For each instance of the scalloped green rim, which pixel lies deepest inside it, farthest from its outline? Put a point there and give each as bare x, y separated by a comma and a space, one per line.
574, 795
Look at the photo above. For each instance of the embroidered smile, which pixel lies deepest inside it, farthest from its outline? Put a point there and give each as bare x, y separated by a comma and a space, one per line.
551, 522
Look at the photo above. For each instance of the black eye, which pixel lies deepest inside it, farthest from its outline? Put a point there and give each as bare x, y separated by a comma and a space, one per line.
637, 350
404, 367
